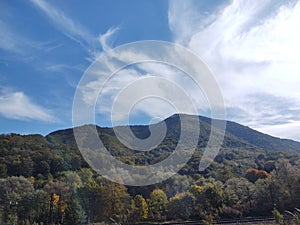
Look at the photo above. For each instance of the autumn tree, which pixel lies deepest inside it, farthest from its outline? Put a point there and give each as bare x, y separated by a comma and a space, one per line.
208, 200
116, 202
253, 175
158, 204
140, 209
59, 197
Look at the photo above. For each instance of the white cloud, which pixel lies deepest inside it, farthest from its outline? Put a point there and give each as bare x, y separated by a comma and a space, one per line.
16, 105
155, 97
291, 128
105, 76
188, 12
252, 47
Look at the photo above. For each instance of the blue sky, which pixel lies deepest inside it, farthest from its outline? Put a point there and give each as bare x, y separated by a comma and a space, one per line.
252, 48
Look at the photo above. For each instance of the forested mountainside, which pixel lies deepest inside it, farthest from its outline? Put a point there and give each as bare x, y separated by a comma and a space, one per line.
236, 135
45, 179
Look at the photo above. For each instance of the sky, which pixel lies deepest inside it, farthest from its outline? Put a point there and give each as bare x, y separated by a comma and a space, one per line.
251, 47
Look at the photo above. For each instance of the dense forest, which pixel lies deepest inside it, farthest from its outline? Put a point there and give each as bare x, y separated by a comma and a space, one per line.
45, 180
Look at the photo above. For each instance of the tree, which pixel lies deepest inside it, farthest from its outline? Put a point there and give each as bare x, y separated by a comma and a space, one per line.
91, 197
59, 197
158, 204
41, 207
208, 200
212, 194
140, 209
285, 181
176, 184
238, 192
181, 206
253, 175
72, 179
3, 170
16, 195
42, 167
263, 197
221, 172
116, 202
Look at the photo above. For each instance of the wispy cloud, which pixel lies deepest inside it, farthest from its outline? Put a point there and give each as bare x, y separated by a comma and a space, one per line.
17, 105
252, 47
13, 42
8, 40
74, 30
65, 24
20, 45
104, 38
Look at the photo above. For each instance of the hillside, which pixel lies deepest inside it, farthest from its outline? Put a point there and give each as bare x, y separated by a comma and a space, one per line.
237, 136
258, 139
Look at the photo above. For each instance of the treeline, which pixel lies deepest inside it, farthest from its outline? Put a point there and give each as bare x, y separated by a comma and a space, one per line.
80, 197
50, 183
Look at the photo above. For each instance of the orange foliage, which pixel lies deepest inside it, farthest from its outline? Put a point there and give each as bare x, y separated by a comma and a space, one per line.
253, 174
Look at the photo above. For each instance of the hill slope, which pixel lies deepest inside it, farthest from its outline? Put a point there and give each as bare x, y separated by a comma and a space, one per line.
258, 139
237, 136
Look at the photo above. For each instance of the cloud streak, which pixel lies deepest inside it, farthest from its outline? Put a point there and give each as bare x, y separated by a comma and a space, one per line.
65, 24
13, 42
104, 38
8, 41
74, 30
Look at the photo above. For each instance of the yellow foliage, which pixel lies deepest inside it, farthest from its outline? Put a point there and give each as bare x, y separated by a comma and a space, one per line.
55, 199
198, 188
63, 207
31, 179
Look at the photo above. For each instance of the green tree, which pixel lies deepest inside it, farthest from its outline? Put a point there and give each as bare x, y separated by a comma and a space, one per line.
181, 206
176, 184
3, 170
221, 172
91, 197
208, 200
16, 195
72, 179
238, 191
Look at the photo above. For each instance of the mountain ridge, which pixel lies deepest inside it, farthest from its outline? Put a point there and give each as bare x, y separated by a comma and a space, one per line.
235, 133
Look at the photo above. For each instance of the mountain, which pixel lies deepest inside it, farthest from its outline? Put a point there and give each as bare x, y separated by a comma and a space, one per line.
236, 136
242, 148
